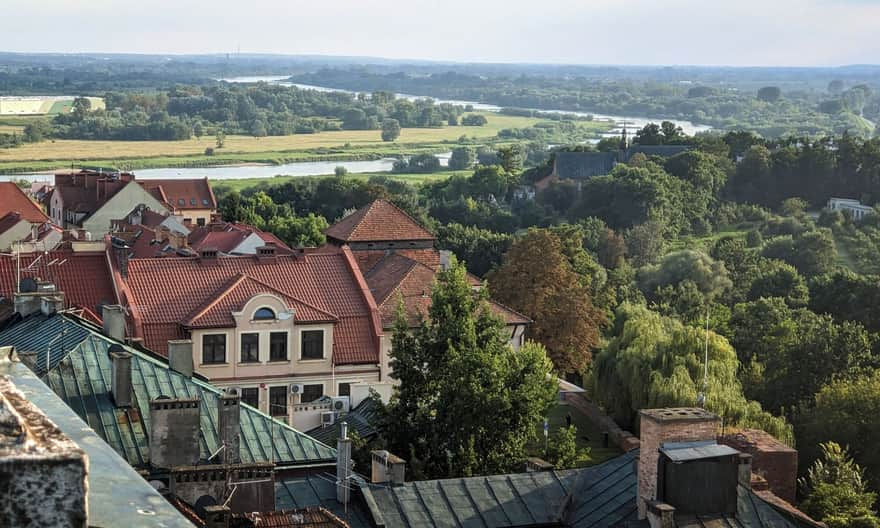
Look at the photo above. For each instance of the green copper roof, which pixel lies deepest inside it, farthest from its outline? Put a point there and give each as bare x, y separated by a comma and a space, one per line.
79, 372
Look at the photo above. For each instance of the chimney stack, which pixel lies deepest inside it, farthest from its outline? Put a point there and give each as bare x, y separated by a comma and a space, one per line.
343, 464
659, 426
52, 304
229, 429
120, 376
180, 356
387, 468
174, 432
113, 317
217, 516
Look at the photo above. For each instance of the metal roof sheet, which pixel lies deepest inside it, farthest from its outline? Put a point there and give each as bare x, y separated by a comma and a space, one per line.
79, 372
687, 451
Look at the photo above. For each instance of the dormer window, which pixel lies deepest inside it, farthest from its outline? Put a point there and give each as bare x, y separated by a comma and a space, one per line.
264, 314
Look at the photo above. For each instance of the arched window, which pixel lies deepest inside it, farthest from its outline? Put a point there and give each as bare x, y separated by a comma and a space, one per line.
264, 314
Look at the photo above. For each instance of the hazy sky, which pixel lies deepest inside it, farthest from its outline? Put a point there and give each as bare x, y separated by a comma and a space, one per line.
715, 32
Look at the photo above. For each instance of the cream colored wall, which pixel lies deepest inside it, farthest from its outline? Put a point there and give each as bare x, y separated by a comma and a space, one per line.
122, 203
265, 374
193, 215
15, 233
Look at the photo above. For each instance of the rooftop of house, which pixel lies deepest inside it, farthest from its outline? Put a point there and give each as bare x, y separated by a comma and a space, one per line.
165, 293
14, 200
361, 420
226, 237
83, 277
182, 194
319, 490
315, 517
72, 356
378, 221
115, 490
396, 277
601, 496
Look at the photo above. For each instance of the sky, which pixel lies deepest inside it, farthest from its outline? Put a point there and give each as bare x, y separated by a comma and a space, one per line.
636, 32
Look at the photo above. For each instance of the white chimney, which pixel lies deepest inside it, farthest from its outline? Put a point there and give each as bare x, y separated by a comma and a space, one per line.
343, 464
113, 318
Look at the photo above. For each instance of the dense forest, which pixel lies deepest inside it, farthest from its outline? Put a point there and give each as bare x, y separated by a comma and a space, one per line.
621, 272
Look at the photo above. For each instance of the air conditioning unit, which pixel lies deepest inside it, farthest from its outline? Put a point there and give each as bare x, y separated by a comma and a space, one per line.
235, 391
340, 404
296, 388
328, 418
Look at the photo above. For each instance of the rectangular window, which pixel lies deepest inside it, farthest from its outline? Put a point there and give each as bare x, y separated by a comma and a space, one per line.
250, 348
313, 344
312, 393
278, 346
278, 401
251, 396
344, 389
200, 222
214, 348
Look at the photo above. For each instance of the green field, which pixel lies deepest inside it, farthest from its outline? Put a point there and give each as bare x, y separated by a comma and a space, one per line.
332, 145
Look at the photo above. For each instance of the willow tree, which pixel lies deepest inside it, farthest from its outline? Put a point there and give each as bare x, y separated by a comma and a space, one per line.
467, 403
654, 361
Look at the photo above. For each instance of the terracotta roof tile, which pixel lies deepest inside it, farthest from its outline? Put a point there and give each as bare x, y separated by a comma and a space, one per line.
83, 277
167, 292
379, 221
182, 194
14, 200
216, 312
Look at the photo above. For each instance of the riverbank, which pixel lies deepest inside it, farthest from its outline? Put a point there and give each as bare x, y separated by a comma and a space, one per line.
274, 150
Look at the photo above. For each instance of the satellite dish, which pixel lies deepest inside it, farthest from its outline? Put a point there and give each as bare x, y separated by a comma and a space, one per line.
27, 285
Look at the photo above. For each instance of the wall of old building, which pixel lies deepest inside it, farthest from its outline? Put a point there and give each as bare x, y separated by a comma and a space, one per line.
771, 459
122, 203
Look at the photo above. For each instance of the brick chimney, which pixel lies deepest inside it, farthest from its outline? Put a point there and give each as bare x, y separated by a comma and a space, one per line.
180, 356
208, 257
229, 427
113, 319
659, 426
174, 432
120, 376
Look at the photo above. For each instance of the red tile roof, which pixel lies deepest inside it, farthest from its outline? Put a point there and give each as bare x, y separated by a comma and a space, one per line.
378, 221
397, 277
182, 194
225, 237
304, 518
83, 277
166, 293
14, 200
216, 312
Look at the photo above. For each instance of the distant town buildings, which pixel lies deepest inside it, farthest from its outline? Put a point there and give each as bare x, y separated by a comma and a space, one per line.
852, 207
23, 225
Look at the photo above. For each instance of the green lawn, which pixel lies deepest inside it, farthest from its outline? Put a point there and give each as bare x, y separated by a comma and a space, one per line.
588, 436
705, 242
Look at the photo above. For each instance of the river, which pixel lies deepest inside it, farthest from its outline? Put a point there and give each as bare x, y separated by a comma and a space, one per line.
320, 168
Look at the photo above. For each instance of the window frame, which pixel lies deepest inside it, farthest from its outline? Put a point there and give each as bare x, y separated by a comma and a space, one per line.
255, 317
213, 345
256, 391
302, 344
272, 348
339, 391
302, 398
275, 408
256, 348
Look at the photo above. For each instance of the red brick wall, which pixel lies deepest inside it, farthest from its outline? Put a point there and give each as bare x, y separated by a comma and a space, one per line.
771, 459
689, 426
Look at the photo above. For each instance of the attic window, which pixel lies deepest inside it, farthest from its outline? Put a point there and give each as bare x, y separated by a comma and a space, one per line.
192, 201
181, 201
264, 314
205, 201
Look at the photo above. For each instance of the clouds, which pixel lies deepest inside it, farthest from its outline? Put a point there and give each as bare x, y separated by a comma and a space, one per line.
746, 32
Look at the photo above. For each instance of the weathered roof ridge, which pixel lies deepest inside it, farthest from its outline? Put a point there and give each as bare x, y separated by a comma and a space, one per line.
350, 228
